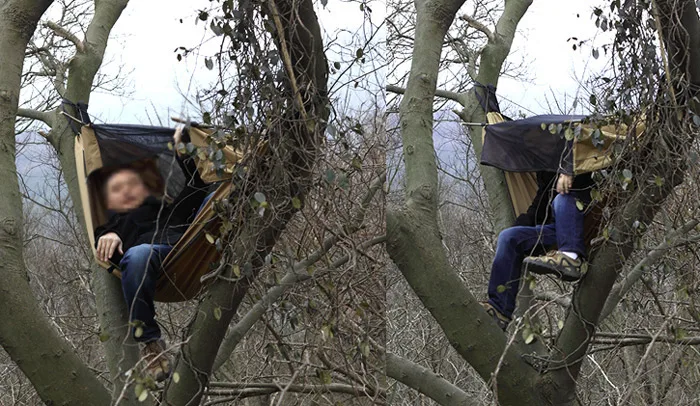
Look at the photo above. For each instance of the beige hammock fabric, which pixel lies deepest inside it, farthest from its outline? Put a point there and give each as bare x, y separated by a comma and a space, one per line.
522, 186
193, 255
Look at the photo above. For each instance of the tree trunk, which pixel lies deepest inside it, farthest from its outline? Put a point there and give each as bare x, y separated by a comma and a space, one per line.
414, 240
48, 356
288, 177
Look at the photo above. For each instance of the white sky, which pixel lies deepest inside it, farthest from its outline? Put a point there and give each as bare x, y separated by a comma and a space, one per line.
551, 63
142, 44
143, 41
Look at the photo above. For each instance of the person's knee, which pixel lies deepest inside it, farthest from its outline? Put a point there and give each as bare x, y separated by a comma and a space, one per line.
561, 200
136, 262
508, 237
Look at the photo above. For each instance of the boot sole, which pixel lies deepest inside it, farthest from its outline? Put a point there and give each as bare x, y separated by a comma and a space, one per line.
540, 269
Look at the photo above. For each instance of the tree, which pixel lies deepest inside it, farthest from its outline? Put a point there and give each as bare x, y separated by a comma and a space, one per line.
292, 111
48, 354
517, 373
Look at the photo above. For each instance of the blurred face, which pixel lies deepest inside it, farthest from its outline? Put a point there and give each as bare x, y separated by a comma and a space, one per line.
125, 191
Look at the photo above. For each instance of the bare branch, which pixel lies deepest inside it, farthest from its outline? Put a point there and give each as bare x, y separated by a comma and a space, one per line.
297, 274
458, 97
477, 25
621, 288
32, 114
238, 391
426, 382
63, 33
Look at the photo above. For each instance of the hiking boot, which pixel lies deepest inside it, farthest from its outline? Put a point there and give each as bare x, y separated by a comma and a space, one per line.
501, 320
156, 361
558, 264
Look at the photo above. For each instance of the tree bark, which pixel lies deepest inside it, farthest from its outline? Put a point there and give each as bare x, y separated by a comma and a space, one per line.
426, 382
559, 383
109, 300
306, 67
48, 356
414, 240
492, 58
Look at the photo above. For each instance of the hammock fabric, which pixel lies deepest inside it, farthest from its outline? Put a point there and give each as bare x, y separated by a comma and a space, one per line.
523, 147
145, 149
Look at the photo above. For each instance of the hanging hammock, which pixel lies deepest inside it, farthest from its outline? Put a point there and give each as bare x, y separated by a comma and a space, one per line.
521, 148
146, 149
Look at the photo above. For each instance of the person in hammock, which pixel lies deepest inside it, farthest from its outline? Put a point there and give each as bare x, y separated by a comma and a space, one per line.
553, 218
139, 234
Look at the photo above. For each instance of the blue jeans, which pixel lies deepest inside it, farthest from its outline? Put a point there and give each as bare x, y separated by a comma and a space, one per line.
141, 267
515, 243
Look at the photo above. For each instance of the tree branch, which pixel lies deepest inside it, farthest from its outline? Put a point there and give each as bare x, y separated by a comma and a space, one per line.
621, 288
32, 114
234, 388
297, 274
426, 382
454, 96
64, 33
479, 26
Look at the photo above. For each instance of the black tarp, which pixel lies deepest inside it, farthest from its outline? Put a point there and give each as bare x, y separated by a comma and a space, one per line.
525, 146
123, 144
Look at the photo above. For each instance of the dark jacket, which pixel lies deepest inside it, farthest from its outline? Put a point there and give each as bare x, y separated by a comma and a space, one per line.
540, 211
156, 222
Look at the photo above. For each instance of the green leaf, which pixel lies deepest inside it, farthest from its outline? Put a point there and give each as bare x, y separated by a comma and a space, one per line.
217, 313
208, 63
530, 338
104, 337
359, 53
336, 65
681, 334
579, 205
236, 270
543, 126
138, 332
593, 100
627, 174
560, 324
325, 377
595, 52
533, 283
259, 197
203, 15
364, 348
139, 390
569, 134
296, 202
500, 288
176, 377
659, 181
210, 238
326, 332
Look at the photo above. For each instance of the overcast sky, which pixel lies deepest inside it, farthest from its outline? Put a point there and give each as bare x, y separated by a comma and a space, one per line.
148, 32
142, 46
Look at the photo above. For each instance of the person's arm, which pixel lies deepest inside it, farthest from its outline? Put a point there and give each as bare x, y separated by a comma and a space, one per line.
108, 238
190, 198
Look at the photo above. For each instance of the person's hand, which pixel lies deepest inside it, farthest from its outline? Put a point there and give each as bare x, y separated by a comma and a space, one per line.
177, 137
106, 246
564, 183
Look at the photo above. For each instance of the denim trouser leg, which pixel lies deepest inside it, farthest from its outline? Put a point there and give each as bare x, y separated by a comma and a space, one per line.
569, 224
513, 245
517, 242
141, 266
